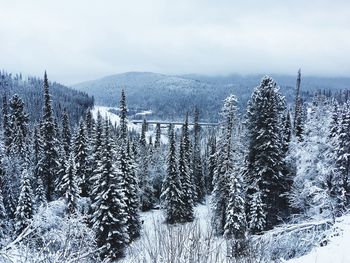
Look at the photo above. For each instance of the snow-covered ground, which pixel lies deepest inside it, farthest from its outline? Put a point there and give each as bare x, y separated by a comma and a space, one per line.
114, 118
337, 249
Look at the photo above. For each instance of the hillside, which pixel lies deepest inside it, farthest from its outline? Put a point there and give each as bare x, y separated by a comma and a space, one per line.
31, 90
172, 96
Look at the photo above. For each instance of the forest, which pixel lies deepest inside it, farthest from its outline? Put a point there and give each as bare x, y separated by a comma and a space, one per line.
76, 186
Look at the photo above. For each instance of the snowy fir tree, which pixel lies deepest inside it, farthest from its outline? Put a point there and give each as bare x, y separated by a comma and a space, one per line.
18, 127
211, 164
171, 189
186, 182
49, 156
298, 115
197, 169
83, 169
157, 141
109, 217
66, 134
224, 168
6, 124
24, 210
69, 186
123, 111
265, 162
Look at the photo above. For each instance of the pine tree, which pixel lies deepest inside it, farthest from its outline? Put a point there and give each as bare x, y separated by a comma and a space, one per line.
197, 168
89, 121
66, 134
24, 210
287, 132
158, 136
18, 127
298, 115
143, 141
49, 157
212, 164
257, 214
171, 189
123, 111
109, 217
83, 169
186, 183
69, 186
126, 171
224, 168
2, 205
265, 162
236, 225
6, 124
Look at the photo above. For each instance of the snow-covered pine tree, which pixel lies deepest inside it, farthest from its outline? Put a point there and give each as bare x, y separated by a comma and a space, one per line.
224, 168
24, 210
89, 123
257, 212
123, 113
127, 172
197, 168
158, 135
49, 156
298, 115
236, 226
6, 124
18, 127
66, 134
171, 189
2, 205
265, 162
287, 132
109, 217
145, 183
186, 182
83, 169
212, 164
69, 186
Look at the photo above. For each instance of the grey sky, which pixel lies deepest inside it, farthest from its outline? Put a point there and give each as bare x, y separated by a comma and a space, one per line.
77, 40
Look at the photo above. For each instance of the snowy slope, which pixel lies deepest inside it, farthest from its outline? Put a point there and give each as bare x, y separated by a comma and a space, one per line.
114, 118
337, 249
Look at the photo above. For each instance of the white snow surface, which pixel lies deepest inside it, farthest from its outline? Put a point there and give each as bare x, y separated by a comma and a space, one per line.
115, 120
337, 249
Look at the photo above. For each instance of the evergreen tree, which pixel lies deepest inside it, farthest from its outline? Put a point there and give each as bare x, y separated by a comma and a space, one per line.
224, 168
123, 111
143, 141
158, 136
66, 134
197, 168
126, 170
265, 162
49, 157
6, 124
171, 190
186, 183
109, 217
236, 225
298, 115
287, 132
89, 121
257, 212
212, 164
24, 210
83, 169
69, 186
18, 126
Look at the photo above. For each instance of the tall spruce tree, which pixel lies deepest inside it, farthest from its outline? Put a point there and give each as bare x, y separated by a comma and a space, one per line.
197, 168
66, 134
24, 210
109, 217
224, 168
83, 169
18, 127
69, 186
171, 189
265, 162
6, 124
186, 182
49, 156
158, 136
212, 164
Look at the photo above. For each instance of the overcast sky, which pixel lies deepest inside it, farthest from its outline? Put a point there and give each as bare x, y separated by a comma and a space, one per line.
77, 40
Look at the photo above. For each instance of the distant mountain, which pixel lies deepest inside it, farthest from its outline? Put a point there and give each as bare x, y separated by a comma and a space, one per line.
31, 91
171, 96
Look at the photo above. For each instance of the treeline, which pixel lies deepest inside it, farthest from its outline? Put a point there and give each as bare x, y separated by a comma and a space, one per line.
30, 90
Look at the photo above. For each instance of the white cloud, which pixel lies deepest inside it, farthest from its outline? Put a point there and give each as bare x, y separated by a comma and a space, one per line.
80, 40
